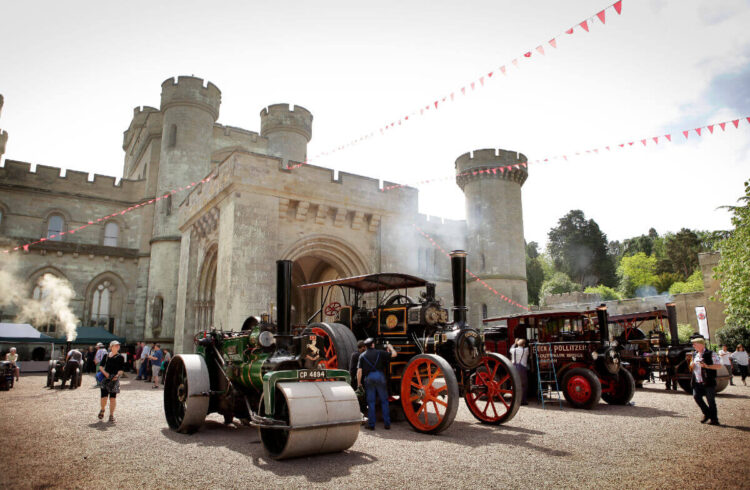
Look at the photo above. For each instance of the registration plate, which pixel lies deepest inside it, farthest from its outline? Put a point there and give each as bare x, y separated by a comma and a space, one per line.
311, 374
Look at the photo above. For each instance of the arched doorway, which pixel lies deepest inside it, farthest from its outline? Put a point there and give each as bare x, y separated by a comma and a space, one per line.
204, 305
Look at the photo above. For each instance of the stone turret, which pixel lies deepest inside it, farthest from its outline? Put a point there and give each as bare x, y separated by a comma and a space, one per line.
288, 131
3, 134
491, 181
189, 109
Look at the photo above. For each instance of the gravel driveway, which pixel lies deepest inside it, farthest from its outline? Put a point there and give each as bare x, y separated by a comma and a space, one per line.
52, 438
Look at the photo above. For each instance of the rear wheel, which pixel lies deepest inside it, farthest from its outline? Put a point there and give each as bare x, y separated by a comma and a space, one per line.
624, 389
429, 393
582, 388
493, 396
186, 393
338, 344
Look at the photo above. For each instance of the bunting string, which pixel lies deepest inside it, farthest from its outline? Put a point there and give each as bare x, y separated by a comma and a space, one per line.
474, 276
640, 142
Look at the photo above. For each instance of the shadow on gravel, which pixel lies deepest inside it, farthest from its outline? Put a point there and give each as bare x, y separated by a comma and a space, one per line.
740, 428
245, 441
102, 425
606, 409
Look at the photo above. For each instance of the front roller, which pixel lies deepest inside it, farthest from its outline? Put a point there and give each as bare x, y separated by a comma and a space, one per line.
320, 417
186, 388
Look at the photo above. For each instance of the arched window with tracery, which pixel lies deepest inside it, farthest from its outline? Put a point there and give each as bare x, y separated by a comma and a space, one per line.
55, 226
111, 233
39, 294
204, 306
101, 305
484, 311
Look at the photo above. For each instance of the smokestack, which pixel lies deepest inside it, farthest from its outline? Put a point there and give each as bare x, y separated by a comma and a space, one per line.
458, 273
430, 291
603, 320
283, 296
672, 317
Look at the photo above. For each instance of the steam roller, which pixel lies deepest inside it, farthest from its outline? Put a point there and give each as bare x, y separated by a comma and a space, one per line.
267, 378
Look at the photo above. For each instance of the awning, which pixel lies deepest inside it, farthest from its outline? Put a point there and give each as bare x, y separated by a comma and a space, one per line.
23, 332
92, 335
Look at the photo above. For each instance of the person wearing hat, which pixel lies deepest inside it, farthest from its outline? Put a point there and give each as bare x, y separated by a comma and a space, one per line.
703, 366
112, 368
371, 369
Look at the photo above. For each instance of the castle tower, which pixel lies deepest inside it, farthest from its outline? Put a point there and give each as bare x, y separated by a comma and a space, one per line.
288, 131
189, 110
495, 240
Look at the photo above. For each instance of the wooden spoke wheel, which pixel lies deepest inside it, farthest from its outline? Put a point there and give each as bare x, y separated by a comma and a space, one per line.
338, 344
494, 395
185, 406
429, 393
581, 388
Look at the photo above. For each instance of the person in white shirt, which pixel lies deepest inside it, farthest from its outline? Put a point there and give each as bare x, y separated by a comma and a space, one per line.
726, 361
704, 365
519, 355
740, 357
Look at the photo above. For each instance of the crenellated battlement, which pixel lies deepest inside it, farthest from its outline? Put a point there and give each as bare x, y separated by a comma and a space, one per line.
50, 179
191, 91
483, 164
282, 117
139, 121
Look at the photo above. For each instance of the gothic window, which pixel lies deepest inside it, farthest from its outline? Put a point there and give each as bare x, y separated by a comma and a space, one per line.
173, 136
101, 301
111, 232
168, 205
39, 294
55, 226
484, 311
157, 309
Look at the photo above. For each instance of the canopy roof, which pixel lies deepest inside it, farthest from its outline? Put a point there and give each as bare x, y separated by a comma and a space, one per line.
92, 335
544, 314
22, 332
372, 282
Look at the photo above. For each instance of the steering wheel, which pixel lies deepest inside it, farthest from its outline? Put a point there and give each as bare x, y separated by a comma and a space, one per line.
399, 299
332, 308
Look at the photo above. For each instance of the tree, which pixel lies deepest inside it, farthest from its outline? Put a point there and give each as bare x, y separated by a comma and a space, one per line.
732, 335
734, 265
605, 293
579, 249
664, 280
534, 272
681, 250
643, 243
636, 272
694, 284
559, 283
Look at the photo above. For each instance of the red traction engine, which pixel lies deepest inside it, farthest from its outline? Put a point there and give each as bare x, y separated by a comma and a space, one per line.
437, 361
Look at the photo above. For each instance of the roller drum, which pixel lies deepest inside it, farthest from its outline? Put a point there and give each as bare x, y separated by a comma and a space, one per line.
323, 417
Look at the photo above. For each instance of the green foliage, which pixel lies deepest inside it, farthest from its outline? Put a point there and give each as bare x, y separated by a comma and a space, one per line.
733, 335
636, 271
534, 273
665, 280
694, 284
734, 266
684, 331
709, 240
578, 248
681, 251
605, 293
558, 283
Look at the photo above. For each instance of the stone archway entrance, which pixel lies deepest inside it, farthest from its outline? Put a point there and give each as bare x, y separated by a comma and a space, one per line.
204, 306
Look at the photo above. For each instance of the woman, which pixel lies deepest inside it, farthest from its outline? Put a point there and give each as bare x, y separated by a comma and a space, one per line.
740, 357
90, 364
111, 367
519, 354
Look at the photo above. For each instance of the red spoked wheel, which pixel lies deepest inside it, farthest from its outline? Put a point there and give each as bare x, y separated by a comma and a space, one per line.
581, 388
338, 344
332, 308
429, 393
493, 396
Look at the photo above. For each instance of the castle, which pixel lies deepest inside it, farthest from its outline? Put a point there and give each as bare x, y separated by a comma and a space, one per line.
205, 256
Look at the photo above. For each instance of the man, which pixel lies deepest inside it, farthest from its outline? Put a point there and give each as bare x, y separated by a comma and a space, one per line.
726, 361
354, 361
12, 358
156, 356
138, 361
704, 366
519, 354
371, 368
144, 362
73, 360
101, 353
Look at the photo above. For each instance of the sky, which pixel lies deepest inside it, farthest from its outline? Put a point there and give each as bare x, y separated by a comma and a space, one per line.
72, 72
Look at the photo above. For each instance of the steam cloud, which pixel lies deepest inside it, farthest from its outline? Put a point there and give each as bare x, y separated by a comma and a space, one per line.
52, 307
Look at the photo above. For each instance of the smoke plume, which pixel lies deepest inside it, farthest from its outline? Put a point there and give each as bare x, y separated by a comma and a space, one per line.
52, 307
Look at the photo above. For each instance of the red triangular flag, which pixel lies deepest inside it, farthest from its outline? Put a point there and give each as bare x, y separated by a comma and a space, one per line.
527, 54
553, 42
622, 145
710, 128
631, 143
748, 120
601, 16
736, 123
569, 31
463, 90
644, 142
668, 136
472, 85
427, 108
585, 25
25, 248
515, 62
656, 139
618, 7
722, 126
698, 130
502, 69
489, 75
686, 134
436, 103
540, 49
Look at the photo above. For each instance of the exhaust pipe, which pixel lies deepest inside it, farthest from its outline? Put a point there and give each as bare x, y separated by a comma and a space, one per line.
674, 339
284, 296
603, 319
458, 273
